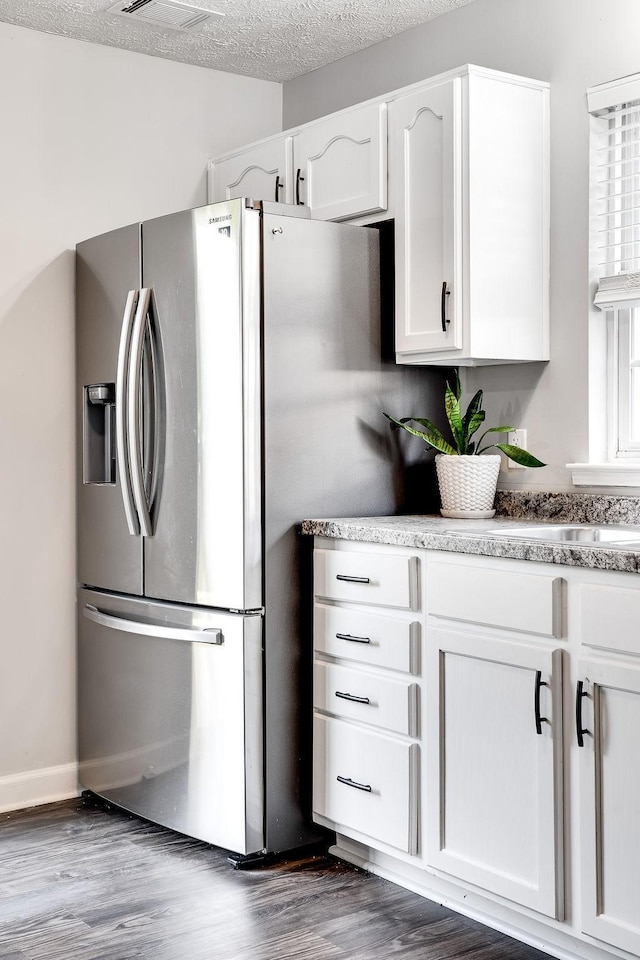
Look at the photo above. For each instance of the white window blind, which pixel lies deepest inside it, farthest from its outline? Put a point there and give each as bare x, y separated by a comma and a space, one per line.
615, 165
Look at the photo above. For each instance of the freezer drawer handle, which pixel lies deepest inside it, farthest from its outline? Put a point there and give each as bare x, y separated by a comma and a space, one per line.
352, 639
203, 635
352, 697
343, 576
348, 782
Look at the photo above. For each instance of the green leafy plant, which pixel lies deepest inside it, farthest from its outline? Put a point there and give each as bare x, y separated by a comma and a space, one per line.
463, 428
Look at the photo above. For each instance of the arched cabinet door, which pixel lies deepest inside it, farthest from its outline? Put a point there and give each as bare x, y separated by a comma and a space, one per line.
426, 156
261, 172
340, 164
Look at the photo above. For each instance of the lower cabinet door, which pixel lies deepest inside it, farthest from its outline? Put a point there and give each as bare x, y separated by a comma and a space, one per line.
367, 782
608, 716
493, 745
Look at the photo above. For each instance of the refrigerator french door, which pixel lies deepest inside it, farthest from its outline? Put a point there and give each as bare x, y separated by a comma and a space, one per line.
168, 355
169, 523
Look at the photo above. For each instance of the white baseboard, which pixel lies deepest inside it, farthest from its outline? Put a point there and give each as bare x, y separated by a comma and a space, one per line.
34, 787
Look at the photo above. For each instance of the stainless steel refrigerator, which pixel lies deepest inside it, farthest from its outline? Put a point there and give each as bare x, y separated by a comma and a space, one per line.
229, 384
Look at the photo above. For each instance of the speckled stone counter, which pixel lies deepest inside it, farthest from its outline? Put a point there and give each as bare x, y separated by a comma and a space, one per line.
489, 538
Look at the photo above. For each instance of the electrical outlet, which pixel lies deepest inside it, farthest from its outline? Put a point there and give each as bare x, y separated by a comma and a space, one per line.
517, 438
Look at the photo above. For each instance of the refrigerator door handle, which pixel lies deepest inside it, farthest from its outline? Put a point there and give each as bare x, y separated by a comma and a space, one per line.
122, 450
152, 459
134, 411
169, 631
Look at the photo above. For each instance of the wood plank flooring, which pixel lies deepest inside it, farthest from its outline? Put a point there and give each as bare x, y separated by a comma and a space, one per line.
82, 883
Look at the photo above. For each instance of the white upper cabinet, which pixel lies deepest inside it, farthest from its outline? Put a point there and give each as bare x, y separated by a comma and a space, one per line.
262, 172
465, 164
470, 164
336, 166
340, 164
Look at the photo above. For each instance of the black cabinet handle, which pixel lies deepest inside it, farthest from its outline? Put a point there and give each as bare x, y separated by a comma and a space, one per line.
299, 180
352, 639
536, 702
443, 306
351, 697
343, 576
279, 186
348, 782
580, 730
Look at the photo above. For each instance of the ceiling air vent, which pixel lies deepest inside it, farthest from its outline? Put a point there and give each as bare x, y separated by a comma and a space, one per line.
165, 13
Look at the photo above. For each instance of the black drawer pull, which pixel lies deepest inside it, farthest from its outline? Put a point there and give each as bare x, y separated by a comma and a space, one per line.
580, 730
443, 307
343, 576
536, 702
348, 782
351, 697
352, 639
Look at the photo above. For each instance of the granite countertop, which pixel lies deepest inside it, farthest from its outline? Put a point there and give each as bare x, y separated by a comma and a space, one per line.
485, 537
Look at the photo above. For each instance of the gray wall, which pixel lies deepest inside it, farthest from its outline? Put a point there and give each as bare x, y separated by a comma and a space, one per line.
92, 138
573, 44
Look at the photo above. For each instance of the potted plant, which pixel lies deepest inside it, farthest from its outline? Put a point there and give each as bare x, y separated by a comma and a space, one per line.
467, 481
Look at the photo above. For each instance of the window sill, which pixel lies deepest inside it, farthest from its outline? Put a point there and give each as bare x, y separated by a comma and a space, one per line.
620, 474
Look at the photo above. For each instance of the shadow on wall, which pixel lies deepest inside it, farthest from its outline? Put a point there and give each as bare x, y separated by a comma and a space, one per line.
508, 389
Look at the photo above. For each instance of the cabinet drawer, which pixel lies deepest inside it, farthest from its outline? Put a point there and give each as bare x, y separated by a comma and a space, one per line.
370, 638
609, 617
528, 603
366, 781
367, 697
376, 578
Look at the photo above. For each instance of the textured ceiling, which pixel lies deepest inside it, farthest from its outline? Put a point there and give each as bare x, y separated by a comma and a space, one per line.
269, 39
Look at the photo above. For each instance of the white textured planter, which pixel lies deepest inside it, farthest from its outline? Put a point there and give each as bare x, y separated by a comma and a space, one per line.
467, 485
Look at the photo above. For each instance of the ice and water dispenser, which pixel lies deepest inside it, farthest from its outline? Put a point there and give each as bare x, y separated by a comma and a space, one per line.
99, 433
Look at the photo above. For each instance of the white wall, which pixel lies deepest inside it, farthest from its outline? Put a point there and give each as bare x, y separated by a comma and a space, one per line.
573, 44
90, 138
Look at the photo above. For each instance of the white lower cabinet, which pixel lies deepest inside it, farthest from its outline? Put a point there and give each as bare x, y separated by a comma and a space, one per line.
493, 731
607, 725
608, 711
448, 766
366, 757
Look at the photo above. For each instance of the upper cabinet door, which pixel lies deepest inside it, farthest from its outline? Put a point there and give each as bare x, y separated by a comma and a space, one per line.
340, 164
260, 172
426, 158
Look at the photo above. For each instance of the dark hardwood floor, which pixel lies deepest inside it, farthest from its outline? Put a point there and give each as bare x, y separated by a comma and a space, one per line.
82, 883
